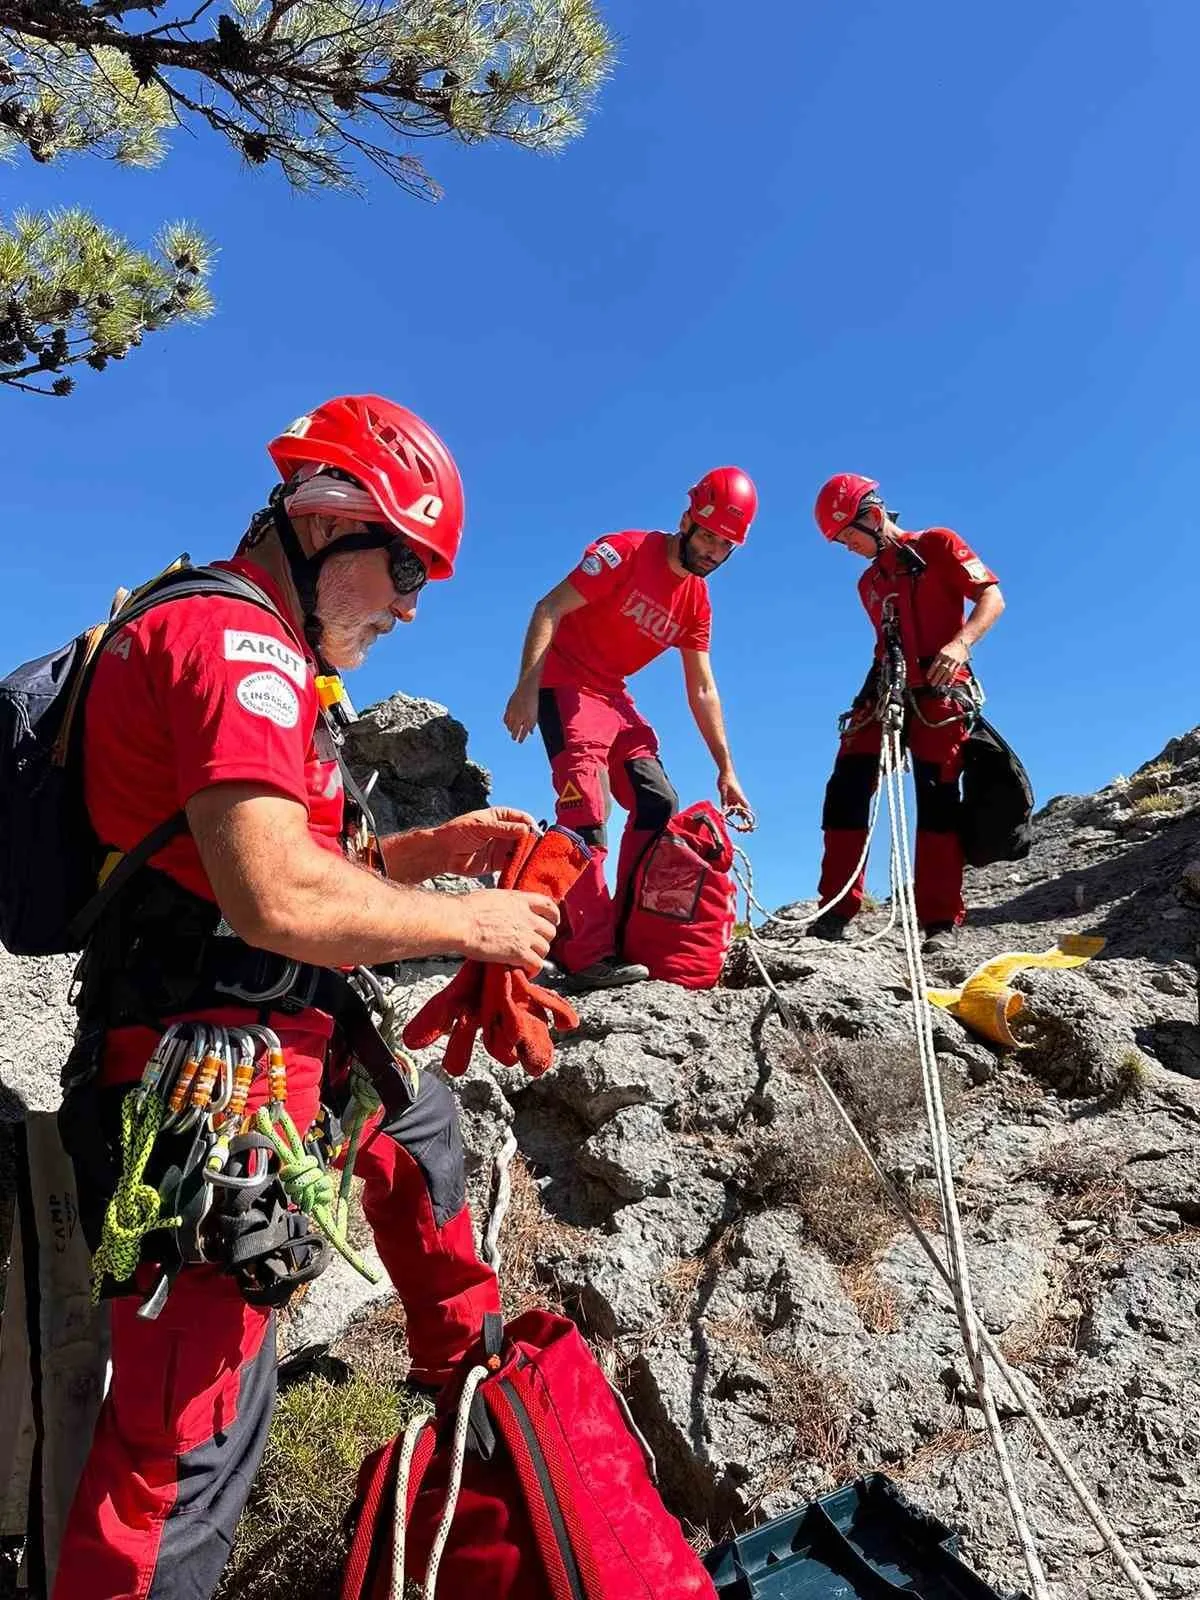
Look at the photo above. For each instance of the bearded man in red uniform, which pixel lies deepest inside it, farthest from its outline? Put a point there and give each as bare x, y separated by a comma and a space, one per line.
918, 584
632, 596
206, 734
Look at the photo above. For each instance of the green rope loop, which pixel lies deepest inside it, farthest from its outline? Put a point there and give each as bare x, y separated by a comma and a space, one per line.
309, 1186
135, 1208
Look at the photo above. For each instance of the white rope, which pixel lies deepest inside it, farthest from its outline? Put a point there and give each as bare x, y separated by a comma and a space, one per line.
944, 1167
1021, 1389
744, 873
408, 1445
461, 1423
503, 1183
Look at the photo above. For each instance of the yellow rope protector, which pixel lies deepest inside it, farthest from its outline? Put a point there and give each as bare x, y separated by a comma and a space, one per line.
134, 1210
987, 1005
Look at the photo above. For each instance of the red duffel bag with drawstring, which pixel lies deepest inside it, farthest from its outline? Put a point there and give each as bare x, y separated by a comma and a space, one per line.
547, 1496
680, 910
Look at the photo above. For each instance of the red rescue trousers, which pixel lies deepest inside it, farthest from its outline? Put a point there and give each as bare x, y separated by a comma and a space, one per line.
601, 748
183, 1427
935, 739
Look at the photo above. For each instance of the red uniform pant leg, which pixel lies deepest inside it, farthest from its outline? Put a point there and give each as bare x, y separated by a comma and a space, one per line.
846, 815
937, 755
640, 784
414, 1197
176, 1447
579, 730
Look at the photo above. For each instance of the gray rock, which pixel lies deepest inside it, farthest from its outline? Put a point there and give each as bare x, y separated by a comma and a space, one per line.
775, 1328
420, 753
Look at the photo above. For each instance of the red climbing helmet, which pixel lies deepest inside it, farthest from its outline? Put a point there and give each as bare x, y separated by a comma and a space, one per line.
396, 457
724, 502
838, 502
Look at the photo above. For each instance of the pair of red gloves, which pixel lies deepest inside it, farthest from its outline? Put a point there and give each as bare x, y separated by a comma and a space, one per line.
513, 1014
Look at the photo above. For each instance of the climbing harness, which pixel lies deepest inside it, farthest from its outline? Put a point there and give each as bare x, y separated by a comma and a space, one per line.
241, 1190
887, 699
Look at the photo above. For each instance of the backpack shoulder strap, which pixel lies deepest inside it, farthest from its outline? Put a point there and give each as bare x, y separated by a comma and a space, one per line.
186, 584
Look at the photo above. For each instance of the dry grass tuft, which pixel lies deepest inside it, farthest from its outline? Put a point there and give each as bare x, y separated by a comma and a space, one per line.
1083, 1187
1150, 781
844, 1210
879, 1082
1081, 1180
809, 1411
806, 1161
874, 1301
943, 1446
682, 1280
375, 1346
289, 1542
1156, 804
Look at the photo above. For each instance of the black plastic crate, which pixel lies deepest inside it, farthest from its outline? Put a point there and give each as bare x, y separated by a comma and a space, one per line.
863, 1542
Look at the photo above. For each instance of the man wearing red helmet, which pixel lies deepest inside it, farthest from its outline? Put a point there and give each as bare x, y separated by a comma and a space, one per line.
212, 717
632, 596
917, 583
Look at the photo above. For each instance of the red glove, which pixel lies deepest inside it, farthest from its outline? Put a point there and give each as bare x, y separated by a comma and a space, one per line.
514, 1014
453, 1010
517, 1016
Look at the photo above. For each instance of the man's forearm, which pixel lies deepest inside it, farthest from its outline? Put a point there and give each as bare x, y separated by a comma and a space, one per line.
538, 638
706, 709
335, 914
986, 611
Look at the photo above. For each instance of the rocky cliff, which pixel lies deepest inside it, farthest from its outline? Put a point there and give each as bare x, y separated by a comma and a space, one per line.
682, 1189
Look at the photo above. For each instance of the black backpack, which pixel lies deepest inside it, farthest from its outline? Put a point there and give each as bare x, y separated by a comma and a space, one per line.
50, 857
997, 800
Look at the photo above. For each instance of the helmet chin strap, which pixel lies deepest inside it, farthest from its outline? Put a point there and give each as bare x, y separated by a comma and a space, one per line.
306, 570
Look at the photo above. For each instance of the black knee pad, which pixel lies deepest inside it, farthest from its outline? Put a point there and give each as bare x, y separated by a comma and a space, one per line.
938, 802
550, 723
595, 835
848, 792
654, 799
430, 1133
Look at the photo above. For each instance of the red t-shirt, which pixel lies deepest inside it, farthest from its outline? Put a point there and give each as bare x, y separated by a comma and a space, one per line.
636, 608
930, 605
196, 692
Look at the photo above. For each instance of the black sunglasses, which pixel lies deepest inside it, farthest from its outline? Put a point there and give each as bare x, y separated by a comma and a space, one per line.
409, 572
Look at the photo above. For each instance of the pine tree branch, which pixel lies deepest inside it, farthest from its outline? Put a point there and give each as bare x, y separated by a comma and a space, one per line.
72, 292
301, 72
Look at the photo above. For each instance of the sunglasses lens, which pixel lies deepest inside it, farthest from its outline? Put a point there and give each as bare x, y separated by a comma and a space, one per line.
408, 570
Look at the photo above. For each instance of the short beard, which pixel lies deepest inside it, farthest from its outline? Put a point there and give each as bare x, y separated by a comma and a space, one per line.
685, 540
346, 635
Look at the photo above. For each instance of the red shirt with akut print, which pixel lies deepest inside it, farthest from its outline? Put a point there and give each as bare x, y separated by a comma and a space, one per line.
637, 607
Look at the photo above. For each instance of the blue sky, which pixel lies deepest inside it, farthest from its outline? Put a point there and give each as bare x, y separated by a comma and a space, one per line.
951, 247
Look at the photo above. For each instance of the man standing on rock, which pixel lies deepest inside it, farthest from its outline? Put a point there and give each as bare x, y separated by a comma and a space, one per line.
915, 586
217, 710
632, 596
